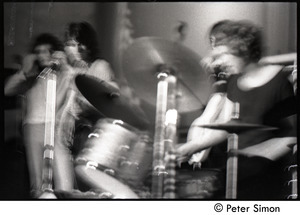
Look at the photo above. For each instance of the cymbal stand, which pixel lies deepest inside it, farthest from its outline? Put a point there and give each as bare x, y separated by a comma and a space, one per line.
165, 136
170, 141
232, 160
158, 167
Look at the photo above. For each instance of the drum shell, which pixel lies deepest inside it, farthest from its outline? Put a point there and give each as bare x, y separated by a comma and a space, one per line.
120, 149
138, 164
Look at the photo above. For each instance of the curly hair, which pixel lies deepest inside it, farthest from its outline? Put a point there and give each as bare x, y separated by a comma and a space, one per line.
243, 37
85, 34
47, 39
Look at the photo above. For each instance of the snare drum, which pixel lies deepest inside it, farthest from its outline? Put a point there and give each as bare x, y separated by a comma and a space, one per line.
118, 149
200, 184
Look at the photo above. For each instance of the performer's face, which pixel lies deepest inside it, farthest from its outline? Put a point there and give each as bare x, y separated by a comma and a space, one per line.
76, 51
224, 58
43, 54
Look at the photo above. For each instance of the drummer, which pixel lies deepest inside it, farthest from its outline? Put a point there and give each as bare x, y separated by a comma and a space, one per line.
259, 90
82, 54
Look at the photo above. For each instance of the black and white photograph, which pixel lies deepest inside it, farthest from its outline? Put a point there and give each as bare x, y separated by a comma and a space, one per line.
150, 101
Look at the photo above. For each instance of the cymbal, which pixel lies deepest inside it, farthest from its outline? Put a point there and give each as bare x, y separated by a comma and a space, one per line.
236, 126
110, 102
145, 57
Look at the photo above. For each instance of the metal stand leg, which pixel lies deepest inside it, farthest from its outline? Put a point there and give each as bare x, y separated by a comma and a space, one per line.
232, 167
158, 146
232, 160
170, 141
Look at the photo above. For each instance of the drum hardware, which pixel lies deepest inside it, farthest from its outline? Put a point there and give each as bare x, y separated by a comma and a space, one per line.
293, 183
160, 170
292, 196
292, 166
94, 165
232, 167
164, 162
91, 165
232, 160
158, 165
93, 135
110, 172
294, 189
234, 127
169, 191
116, 122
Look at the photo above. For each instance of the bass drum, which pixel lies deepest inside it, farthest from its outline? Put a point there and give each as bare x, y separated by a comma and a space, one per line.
200, 184
119, 150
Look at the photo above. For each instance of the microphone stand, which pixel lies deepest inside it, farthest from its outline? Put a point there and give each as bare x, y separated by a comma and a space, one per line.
47, 176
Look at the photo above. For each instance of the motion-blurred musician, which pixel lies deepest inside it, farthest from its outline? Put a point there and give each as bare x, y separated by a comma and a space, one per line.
82, 54
29, 82
261, 91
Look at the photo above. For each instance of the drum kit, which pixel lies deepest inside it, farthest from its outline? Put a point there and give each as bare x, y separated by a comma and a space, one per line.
120, 155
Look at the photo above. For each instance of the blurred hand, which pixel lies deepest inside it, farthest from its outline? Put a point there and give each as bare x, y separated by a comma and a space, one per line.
61, 58
28, 65
206, 63
183, 153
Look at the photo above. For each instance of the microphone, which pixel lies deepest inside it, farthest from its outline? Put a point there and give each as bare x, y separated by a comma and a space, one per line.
55, 64
220, 75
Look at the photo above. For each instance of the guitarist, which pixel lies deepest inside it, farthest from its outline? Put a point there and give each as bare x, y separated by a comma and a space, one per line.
265, 96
